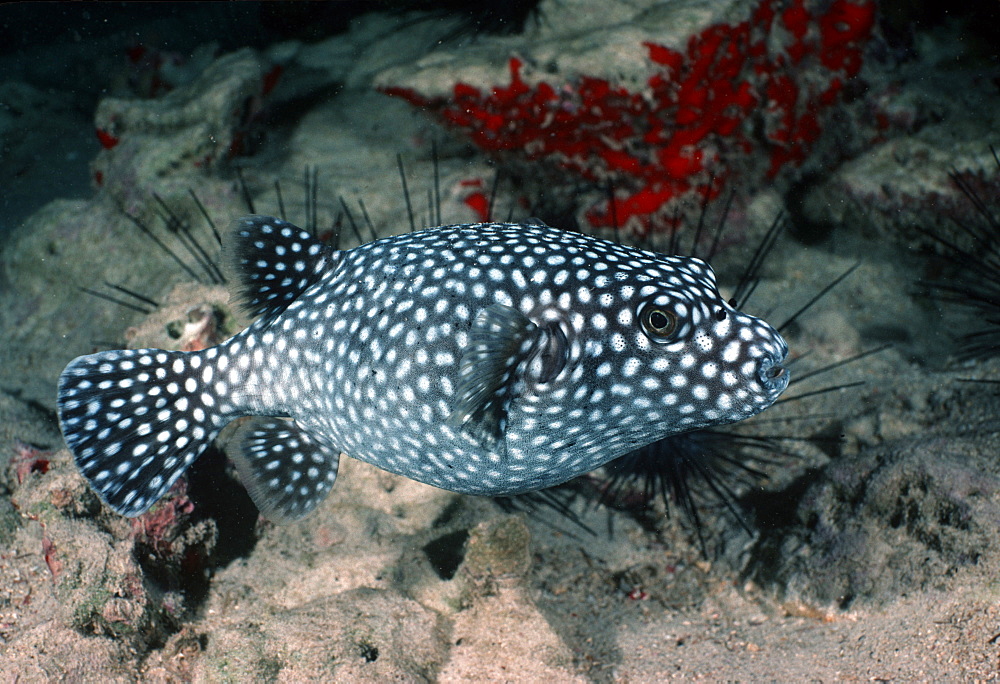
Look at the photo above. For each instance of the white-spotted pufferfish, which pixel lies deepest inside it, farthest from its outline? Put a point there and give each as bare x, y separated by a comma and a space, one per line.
490, 359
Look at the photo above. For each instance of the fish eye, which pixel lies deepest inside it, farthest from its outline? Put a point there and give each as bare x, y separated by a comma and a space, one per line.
659, 323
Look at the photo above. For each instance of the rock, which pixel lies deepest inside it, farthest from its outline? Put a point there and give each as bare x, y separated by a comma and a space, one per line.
498, 549
358, 635
158, 144
904, 517
110, 576
51, 651
501, 634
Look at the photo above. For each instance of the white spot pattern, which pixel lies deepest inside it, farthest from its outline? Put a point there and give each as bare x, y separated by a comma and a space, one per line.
362, 348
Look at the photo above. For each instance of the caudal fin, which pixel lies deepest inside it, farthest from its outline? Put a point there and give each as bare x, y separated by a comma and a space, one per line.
136, 419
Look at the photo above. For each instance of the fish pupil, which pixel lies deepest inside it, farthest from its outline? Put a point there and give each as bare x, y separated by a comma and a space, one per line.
660, 322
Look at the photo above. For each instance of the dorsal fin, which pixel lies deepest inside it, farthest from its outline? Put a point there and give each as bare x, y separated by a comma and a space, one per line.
270, 262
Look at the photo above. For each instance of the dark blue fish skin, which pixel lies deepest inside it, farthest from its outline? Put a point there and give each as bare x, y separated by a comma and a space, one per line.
488, 359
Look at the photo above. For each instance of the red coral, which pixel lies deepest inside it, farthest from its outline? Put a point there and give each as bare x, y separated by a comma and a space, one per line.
476, 199
107, 140
149, 70
50, 556
271, 79
478, 203
28, 459
680, 136
159, 527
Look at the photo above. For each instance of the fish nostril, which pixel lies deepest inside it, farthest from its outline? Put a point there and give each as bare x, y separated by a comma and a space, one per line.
773, 374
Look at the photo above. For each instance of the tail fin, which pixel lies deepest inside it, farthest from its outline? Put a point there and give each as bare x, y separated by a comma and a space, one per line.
136, 419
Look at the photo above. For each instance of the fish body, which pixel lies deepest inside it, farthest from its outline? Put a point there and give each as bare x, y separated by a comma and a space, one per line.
487, 359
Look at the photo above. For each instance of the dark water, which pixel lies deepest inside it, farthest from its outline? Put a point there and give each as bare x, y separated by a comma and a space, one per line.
58, 59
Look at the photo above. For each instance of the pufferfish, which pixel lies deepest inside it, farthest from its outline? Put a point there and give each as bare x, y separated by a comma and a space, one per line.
491, 359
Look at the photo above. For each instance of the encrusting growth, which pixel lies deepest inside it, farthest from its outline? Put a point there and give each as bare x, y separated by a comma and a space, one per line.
760, 86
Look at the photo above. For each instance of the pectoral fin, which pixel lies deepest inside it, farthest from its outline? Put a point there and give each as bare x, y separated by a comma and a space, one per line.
501, 341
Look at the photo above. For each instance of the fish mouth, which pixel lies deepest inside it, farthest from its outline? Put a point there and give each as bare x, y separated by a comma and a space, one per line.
773, 375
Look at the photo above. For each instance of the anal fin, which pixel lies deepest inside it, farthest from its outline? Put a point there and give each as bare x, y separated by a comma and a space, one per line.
286, 471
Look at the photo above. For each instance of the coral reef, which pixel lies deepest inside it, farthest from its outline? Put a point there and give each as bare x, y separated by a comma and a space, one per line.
761, 86
884, 536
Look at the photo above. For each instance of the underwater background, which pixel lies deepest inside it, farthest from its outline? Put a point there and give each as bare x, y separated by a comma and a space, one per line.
847, 533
